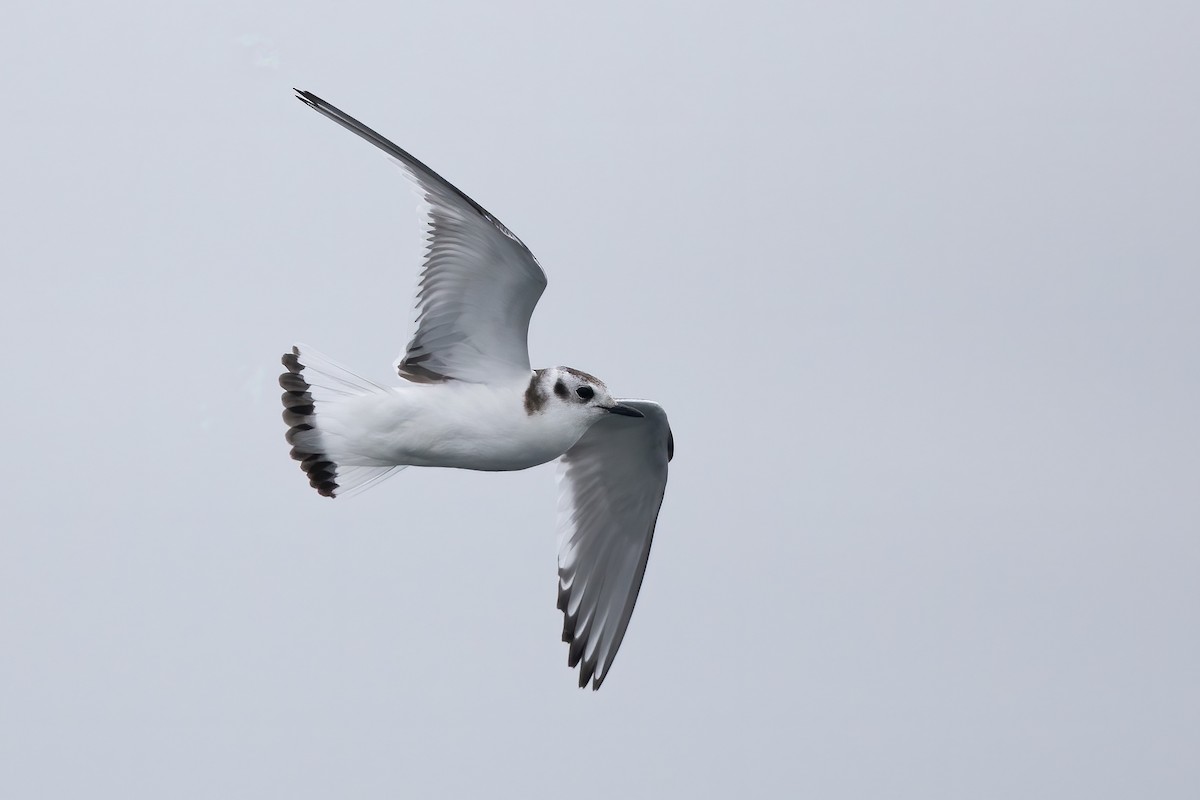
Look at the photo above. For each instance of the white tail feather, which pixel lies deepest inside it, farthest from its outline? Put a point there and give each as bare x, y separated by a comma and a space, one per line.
310, 382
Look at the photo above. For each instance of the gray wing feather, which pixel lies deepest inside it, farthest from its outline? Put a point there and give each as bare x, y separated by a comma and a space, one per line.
479, 285
611, 486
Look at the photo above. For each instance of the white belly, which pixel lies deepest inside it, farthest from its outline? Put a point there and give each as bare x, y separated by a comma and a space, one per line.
468, 426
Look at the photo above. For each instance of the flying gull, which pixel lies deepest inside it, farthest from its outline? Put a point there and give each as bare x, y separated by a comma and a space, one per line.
469, 399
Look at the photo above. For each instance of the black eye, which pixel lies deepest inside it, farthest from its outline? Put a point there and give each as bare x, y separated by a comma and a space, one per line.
585, 392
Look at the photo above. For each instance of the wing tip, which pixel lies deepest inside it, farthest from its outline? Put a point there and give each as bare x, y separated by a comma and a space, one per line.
576, 645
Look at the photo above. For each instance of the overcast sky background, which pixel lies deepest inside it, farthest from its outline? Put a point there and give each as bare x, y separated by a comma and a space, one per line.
917, 283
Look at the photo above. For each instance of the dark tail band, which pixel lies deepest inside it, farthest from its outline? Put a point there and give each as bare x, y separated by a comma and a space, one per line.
299, 411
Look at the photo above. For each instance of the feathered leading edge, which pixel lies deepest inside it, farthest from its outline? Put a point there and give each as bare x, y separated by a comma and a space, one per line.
611, 487
303, 398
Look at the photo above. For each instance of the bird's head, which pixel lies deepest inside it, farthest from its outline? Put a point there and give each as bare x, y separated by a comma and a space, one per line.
567, 389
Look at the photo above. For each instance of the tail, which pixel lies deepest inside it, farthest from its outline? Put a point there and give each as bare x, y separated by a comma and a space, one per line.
302, 414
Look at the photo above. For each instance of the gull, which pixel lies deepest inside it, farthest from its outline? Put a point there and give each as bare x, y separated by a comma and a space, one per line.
470, 400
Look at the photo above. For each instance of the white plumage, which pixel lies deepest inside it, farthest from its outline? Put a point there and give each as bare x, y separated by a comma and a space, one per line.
471, 400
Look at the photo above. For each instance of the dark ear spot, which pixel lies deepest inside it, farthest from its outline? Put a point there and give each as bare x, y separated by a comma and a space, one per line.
560, 389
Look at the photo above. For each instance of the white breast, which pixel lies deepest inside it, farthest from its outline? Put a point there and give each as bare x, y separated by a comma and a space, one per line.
469, 426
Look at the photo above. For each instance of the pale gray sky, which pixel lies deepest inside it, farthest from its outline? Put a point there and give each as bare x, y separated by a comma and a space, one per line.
918, 285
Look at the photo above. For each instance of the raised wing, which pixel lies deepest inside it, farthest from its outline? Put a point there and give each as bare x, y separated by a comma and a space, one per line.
611, 485
479, 285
